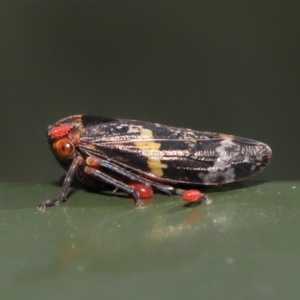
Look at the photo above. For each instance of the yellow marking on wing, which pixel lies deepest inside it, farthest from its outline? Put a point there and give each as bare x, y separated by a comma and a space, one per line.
150, 149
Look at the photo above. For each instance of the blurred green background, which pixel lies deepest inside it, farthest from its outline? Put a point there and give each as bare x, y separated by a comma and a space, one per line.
225, 66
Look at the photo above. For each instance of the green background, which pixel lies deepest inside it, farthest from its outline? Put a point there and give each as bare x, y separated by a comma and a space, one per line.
221, 66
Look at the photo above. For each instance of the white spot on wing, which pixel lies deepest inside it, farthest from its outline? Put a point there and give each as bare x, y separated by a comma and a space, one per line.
224, 158
134, 128
213, 176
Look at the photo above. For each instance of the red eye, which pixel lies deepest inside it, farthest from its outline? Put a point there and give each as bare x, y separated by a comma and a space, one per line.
60, 131
63, 148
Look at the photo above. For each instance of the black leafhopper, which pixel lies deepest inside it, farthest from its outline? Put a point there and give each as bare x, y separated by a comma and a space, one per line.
119, 151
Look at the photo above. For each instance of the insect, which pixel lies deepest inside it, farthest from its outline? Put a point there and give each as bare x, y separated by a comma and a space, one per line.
124, 153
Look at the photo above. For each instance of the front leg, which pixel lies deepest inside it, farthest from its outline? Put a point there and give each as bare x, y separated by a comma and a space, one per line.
65, 187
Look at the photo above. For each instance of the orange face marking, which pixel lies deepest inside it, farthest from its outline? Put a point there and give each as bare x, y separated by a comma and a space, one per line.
60, 131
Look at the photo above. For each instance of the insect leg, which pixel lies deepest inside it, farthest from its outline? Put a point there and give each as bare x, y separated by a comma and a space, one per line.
119, 184
167, 189
65, 187
193, 197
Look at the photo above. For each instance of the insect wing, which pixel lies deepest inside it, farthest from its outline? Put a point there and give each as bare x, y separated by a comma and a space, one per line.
174, 155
